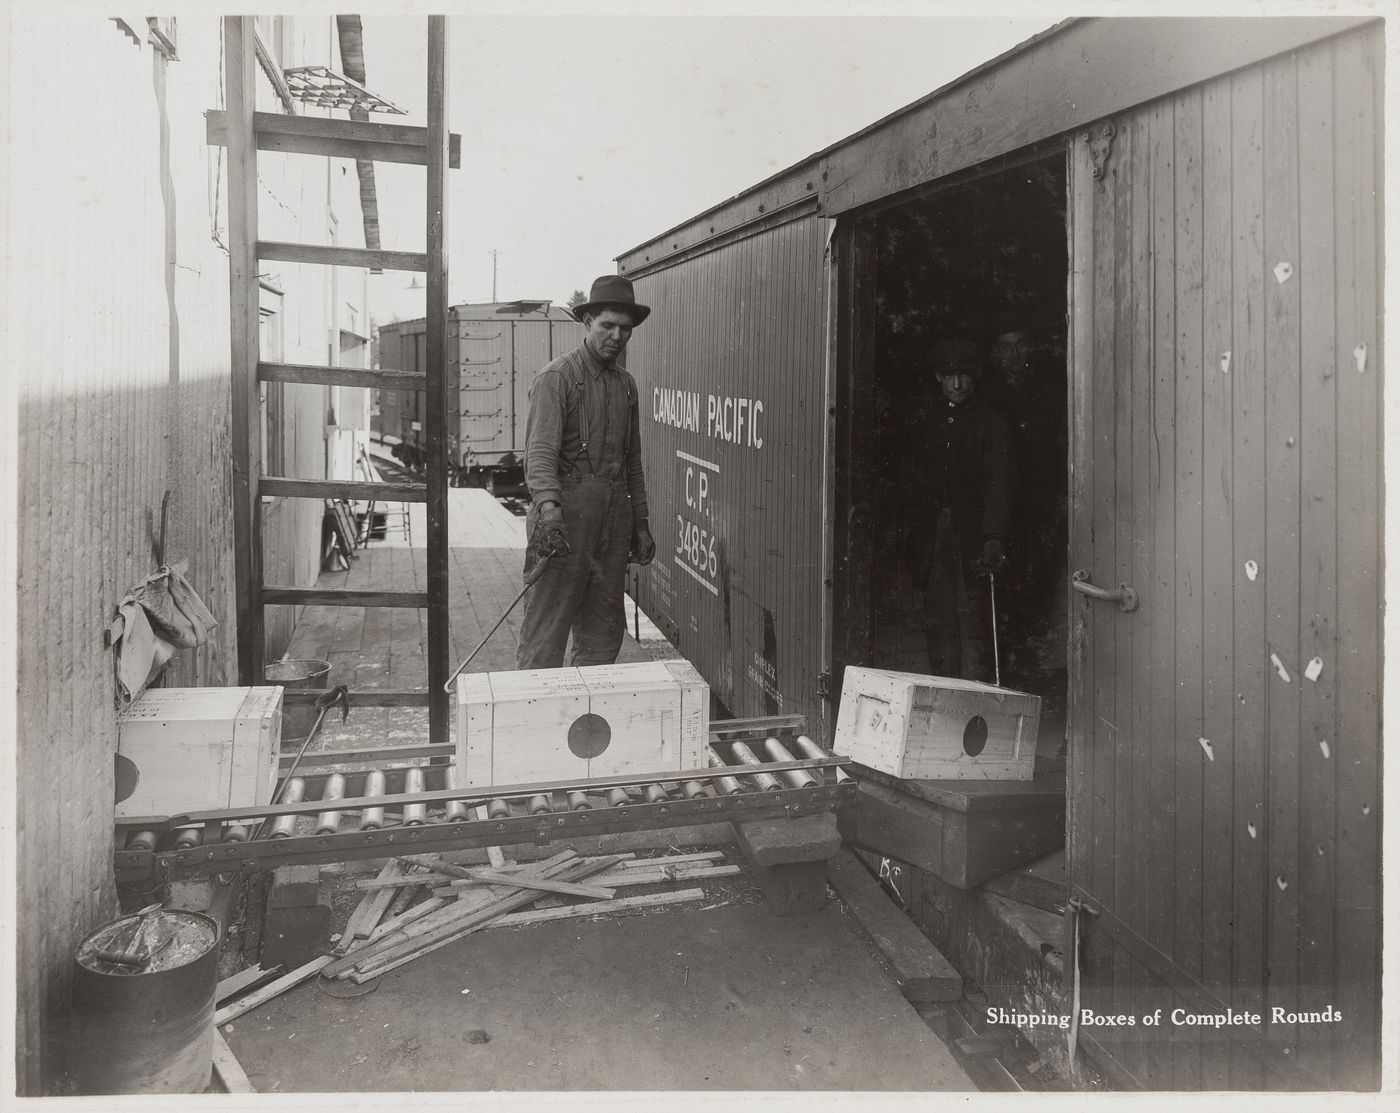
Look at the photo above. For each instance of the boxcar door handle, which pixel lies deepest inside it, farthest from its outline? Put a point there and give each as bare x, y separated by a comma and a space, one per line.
1124, 596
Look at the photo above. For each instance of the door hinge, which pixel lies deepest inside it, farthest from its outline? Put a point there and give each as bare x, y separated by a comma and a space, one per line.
824, 685
1100, 140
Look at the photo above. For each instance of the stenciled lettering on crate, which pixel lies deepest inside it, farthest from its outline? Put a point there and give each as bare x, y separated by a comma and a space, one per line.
936, 728
191, 749
598, 721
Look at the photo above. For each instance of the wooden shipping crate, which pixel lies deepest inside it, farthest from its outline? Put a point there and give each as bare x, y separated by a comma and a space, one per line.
575, 723
189, 749
935, 727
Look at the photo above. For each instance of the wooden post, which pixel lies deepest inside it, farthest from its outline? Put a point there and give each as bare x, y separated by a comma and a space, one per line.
436, 400
240, 95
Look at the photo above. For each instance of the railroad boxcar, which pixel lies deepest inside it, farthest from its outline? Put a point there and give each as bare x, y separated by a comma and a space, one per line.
494, 350
1183, 218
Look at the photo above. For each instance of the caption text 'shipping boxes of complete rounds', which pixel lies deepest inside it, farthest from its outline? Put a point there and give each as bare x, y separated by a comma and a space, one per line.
576, 723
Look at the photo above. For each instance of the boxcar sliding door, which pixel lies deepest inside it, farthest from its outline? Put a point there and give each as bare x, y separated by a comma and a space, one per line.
1225, 739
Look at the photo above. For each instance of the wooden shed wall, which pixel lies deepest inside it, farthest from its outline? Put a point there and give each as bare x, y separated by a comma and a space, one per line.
1225, 808
743, 321
117, 346
118, 338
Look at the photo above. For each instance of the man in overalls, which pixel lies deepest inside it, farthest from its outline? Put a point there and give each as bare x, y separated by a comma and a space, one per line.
583, 467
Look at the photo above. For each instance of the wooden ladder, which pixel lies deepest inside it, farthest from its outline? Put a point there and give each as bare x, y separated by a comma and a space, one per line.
245, 131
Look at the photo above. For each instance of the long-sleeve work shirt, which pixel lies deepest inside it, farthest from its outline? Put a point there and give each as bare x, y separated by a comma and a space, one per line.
583, 420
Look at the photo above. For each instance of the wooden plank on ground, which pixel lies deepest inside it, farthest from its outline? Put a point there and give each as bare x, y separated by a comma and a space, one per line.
596, 908
237, 983
261, 996
923, 973
229, 1070
397, 954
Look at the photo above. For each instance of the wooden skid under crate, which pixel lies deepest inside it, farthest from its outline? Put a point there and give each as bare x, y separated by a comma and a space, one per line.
964, 832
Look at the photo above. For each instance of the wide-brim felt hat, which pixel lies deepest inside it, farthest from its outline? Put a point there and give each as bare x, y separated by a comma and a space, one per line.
612, 291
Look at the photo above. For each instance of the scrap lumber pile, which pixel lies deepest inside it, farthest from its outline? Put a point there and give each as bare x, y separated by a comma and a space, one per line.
417, 905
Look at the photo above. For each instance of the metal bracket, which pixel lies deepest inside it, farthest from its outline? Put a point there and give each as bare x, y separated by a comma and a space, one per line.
1100, 140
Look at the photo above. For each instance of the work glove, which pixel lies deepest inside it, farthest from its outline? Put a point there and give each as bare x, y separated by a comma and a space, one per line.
643, 546
550, 538
993, 555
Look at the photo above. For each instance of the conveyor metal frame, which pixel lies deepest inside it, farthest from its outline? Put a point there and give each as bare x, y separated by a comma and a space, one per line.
441, 834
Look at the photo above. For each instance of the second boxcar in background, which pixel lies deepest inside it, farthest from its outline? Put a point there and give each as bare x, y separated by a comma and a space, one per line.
494, 350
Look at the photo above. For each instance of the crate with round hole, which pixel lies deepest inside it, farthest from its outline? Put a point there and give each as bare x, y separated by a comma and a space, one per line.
935, 727
576, 723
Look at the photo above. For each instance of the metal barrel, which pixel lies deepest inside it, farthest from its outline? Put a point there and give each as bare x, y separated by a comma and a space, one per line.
727, 785
539, 805
498, 808
693, 789
187, 837
284, 825
414, 815
578, 802
776, 751
236, 832
371, 819
811, 749
617, 797
765, 781
328, 822
141, 840
148, 1031
457, 811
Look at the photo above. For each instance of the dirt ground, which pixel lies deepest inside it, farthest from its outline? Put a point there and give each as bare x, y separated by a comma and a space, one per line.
721, 996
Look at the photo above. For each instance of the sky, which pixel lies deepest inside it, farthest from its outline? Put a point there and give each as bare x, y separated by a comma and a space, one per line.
584, 135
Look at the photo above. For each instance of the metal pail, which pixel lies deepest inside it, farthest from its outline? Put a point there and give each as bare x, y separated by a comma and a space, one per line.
298, 719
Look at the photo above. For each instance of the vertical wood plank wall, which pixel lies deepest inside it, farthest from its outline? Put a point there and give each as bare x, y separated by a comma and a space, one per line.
118, 348
744, 320
1224, 803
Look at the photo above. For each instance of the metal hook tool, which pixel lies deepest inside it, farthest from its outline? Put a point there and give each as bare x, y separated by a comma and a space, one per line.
530, 580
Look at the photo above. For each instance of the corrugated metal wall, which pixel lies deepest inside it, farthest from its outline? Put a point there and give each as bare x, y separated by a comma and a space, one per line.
118, 354
731, 374
1225, 805
119, 340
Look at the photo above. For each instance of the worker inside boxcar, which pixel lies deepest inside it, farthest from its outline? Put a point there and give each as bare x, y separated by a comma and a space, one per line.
958, 532
1032, 399
588, 509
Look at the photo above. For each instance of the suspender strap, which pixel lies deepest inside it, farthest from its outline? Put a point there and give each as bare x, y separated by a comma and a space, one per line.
580, 375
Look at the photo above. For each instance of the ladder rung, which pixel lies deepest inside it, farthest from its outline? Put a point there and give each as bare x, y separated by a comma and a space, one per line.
342, 256
360, 489
311, 135
363, 697
340, 597
323, 375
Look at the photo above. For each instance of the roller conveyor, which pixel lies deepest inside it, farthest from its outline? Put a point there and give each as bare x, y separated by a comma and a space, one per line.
344, 805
